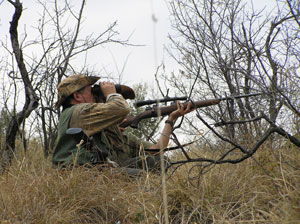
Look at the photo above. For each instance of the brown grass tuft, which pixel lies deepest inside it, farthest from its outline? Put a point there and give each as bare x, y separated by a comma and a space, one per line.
265, 189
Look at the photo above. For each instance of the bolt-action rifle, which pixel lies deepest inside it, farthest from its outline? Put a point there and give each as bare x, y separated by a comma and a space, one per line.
133, 121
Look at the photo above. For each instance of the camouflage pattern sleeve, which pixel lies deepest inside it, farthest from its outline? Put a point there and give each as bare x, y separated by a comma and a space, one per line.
135, 143
94, 117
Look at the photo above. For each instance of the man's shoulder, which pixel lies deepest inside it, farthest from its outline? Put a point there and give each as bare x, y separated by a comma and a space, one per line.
66, 114
82, 108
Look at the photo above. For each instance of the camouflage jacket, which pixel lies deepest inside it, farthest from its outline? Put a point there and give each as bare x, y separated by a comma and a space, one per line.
101, 121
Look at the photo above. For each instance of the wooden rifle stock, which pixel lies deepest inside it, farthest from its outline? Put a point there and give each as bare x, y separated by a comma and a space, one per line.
133, 121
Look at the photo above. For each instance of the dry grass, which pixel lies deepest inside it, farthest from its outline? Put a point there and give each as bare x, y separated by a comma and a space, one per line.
33, 192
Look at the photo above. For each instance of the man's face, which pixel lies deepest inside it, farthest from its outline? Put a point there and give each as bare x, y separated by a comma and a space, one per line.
86, 95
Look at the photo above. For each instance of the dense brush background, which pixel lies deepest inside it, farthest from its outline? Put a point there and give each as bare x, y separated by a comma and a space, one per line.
220, 48
263, 189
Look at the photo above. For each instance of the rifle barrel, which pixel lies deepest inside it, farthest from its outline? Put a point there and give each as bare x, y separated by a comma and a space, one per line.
240, 96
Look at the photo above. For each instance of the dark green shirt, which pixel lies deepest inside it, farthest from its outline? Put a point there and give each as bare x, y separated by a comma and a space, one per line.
66, 153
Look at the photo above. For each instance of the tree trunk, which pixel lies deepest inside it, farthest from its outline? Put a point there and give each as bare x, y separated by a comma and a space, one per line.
31, 99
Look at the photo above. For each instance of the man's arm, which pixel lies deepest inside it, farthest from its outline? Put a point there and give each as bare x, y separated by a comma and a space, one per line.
94, 117
164, 138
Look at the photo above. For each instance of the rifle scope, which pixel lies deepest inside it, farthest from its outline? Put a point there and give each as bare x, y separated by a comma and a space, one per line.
166, 99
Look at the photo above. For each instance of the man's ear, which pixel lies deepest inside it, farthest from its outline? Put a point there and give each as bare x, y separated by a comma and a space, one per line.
77, 96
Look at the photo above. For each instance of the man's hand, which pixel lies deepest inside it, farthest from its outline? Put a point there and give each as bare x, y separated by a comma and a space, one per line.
121, 128
107, 88
180, 111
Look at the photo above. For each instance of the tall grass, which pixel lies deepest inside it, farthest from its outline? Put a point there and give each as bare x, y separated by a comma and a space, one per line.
265, 189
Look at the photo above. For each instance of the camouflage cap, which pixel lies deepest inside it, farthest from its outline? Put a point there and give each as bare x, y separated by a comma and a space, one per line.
71, 85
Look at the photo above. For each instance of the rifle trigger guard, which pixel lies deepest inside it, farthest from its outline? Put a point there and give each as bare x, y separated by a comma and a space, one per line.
153, 112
